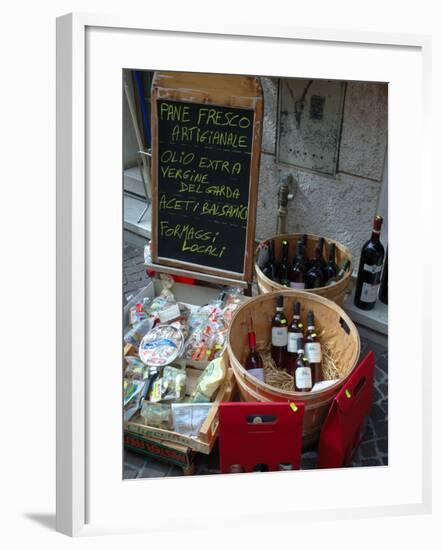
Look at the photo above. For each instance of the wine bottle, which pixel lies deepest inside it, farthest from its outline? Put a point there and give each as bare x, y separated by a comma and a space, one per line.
303, 371
331, 269
295, 332
320, 245
284, 265
304, 251
313, 348
315, 277
342, 270
253, 363
370, 267
383, 291
297, 270
279, 334
271, 269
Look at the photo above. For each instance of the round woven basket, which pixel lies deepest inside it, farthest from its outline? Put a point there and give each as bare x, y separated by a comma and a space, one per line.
335, 292
339, 340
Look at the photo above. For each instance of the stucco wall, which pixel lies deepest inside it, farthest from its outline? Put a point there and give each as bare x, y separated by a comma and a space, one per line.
340, 207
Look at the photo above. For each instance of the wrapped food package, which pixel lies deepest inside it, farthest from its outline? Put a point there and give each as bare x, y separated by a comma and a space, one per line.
209, 382
134, 335
135, 369
161, 346
132, 390
157, 415
171, 386
189, 417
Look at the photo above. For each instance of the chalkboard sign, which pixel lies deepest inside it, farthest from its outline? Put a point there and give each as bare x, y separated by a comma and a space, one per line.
203, 186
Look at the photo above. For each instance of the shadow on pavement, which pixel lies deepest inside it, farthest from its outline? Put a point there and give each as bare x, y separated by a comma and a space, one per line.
46, 520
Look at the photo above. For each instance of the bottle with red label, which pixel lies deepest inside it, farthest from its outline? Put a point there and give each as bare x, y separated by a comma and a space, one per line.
279, 335
253, 363
313, 348
370, 268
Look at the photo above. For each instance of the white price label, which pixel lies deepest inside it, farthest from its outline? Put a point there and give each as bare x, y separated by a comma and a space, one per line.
373, 268
257, 373
303, 377
313, 352
279, 336
292, 341
369, 293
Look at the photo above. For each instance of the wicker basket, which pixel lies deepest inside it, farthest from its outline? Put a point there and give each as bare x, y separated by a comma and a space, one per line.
336, 332
335, 292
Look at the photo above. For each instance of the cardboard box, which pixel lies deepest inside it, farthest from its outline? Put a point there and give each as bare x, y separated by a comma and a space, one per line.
166, 451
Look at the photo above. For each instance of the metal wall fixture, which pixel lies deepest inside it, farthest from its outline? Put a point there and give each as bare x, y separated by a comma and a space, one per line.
285, 194
309, 123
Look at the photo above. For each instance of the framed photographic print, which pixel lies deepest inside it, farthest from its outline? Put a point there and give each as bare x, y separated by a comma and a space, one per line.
231, 211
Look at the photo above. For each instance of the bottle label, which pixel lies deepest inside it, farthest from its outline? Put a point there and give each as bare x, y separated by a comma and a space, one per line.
300, 286
303, 378
292, 341
257, 373
313, 352
279, 336
373, 268
369, 293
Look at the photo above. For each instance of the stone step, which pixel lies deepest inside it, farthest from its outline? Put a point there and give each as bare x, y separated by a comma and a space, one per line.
133, 208
375, 319
133, 182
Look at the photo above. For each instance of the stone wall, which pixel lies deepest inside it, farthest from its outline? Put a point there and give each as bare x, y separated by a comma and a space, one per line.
340, 207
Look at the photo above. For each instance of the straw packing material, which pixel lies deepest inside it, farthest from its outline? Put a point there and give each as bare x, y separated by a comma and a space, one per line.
284, 381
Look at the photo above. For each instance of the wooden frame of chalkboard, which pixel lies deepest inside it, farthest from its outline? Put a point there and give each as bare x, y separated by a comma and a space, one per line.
206, 145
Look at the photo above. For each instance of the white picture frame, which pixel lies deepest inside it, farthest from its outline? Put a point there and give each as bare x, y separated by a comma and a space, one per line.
92, 50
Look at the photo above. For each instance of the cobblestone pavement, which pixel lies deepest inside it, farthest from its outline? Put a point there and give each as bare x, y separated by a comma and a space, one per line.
372, 451
134, 272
